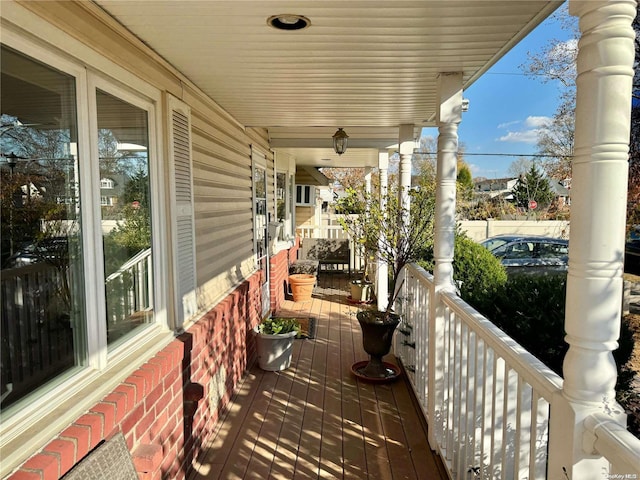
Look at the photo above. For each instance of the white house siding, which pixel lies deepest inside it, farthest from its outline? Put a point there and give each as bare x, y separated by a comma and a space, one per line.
222, 196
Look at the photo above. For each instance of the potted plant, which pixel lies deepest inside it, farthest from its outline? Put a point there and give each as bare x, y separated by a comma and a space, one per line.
362, 288
274, 342
351, 207
386, 236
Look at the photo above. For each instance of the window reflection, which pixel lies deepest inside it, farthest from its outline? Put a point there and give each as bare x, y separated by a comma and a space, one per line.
126, 214
41, 280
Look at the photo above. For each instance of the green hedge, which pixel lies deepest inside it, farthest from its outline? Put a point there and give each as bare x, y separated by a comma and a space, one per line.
476, 272
531, 310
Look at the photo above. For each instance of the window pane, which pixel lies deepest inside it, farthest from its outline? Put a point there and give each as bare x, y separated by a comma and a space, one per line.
281, 196
292, 205
260, 186
123, 142
41, 279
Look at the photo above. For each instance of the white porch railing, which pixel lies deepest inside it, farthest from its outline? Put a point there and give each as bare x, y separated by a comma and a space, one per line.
486, 399
332, 230
328, 231
130, 289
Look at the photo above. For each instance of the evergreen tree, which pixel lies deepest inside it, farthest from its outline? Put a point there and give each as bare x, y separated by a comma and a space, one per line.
464, 182
533, 186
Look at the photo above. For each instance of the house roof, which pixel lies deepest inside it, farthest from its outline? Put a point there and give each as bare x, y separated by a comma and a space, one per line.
367, 66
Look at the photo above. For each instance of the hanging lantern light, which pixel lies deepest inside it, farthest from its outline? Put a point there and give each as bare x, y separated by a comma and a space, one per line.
340, 141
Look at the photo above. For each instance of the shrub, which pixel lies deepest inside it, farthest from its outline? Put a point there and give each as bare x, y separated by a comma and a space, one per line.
476, 272
531, 310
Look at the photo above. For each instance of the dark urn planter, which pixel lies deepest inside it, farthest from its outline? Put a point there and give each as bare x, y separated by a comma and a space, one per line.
377, 334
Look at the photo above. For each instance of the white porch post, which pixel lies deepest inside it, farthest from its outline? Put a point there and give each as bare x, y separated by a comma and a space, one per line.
599, 192
382, 283
367, 180
449, 115
406, 143
359, 252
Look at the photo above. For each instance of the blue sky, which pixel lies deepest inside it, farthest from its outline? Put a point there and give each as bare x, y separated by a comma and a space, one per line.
506, 107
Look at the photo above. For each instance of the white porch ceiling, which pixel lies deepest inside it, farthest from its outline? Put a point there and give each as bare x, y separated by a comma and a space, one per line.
367, 66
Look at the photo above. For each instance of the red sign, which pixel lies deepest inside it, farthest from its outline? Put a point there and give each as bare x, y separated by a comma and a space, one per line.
532, 204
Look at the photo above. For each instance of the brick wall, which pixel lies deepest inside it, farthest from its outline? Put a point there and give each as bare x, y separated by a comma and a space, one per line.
167, 408
279, 272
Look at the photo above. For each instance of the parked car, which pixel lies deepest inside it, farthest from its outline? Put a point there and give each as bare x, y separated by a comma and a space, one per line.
632, 252
53, 250
530, 254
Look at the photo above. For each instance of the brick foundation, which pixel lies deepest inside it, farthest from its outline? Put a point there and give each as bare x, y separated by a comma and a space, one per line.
279, 273
168, 407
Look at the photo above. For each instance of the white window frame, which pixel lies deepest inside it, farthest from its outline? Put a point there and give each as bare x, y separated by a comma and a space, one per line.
109, 86
312, 196
27, 425
106, 183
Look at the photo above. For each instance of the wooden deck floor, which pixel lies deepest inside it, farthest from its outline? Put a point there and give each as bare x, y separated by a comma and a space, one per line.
315, 419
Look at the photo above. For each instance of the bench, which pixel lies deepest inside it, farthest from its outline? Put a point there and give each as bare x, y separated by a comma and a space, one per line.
327, 252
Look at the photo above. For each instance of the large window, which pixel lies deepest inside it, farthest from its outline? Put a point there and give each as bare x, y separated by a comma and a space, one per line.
41, 229
53, 168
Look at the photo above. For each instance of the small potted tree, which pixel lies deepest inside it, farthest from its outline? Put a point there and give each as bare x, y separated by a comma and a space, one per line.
274, 342
352, 211
387, 236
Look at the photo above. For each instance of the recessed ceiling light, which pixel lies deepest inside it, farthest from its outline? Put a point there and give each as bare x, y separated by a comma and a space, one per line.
289, 22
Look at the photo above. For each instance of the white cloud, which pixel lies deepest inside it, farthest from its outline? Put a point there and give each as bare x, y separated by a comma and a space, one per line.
526, 136
532, 126
508, 124
537, 122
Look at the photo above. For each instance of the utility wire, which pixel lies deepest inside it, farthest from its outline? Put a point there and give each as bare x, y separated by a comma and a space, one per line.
467, 154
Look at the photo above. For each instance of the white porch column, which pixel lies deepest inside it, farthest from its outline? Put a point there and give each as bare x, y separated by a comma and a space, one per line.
367, 180
596, 249
358, 252
382, 280
407, 144
448, 116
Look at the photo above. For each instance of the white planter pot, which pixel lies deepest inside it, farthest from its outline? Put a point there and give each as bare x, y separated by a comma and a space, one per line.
274, 351
361, 291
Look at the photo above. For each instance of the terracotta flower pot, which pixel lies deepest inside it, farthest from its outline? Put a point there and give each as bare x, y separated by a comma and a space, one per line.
302, 286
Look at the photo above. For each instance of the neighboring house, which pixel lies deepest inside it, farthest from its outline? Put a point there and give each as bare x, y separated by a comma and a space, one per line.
497, 187
503, 187
561, 191
228, 117
309, 199
111, 189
